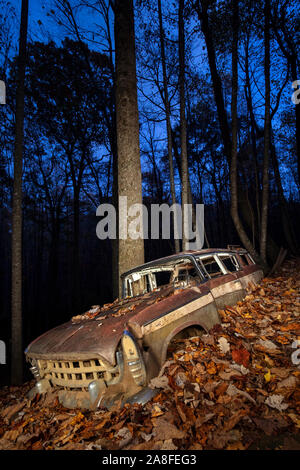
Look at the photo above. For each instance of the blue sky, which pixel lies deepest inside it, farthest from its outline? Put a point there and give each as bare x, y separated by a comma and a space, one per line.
43, 27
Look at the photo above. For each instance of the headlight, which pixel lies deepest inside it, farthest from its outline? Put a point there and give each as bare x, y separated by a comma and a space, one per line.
134, 358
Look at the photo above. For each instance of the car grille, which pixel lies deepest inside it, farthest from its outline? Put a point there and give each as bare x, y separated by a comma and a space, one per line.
75, 374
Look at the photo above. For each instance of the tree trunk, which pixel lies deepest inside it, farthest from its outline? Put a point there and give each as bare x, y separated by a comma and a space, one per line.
189, 190
216, 80
168, 116
287, 227
76, 297
248, 93
53, 266
265, 179
293, 64
131, 252
114, 242
183, 142
233, 169
202, 10
16, 287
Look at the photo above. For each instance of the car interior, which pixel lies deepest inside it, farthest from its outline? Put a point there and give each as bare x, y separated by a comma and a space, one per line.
181, 273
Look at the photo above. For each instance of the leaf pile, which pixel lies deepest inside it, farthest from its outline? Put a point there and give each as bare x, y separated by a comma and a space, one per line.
236, 387
120, 307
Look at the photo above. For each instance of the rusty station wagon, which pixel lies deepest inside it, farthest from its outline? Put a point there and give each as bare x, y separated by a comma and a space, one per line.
112, 352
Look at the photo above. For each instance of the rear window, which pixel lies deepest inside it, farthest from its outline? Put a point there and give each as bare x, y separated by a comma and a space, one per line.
210, 266
247, 259
230, 262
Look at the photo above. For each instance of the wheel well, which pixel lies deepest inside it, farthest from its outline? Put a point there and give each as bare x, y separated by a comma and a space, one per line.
188, 331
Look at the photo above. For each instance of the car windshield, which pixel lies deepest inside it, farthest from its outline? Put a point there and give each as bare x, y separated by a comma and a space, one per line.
179, 273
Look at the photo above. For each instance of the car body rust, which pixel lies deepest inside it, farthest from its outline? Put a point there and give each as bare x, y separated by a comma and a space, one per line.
112, 352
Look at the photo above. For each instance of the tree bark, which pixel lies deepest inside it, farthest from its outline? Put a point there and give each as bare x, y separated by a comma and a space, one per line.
287, 226
16, 287
293, 65
131, 252
253, 126
168, 114
202, 10
216, 80
287, 45
183, 141
233, 169
265, 179
76, 297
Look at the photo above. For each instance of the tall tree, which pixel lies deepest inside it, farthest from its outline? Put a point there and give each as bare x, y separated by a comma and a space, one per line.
234, 149
16, 287
202, 7
285, 24
76, 125
67, 18
131, 251
183, 141
267, 125
168, 113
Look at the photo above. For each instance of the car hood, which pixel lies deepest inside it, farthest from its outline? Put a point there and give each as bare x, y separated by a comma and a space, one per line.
98, 331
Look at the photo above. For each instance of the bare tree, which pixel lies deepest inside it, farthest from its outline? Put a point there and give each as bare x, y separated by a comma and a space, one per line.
168, 113
265, 183
285, 24
131, 252
16, 281
183, 142
234, 153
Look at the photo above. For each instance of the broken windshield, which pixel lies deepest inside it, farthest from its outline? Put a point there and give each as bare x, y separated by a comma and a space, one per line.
179, 273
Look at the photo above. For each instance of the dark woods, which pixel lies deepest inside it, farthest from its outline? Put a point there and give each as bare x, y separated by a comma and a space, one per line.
216, 122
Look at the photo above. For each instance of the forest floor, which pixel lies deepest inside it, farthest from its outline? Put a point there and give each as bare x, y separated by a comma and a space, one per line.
234, 388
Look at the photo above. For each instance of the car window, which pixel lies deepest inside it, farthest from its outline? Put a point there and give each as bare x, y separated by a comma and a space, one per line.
139, 286
178, 274
182, 273
163, 277
188, 271
230, 262
246, 259
210, 266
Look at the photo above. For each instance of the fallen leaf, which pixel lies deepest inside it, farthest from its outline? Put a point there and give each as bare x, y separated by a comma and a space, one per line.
232, 390
160, 382
267, 344
166, 431
275, 401
290, 383
267, 376
211, 368
241, 356
156, 411
223, 345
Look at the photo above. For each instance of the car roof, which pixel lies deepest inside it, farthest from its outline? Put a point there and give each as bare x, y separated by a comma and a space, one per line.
183, 254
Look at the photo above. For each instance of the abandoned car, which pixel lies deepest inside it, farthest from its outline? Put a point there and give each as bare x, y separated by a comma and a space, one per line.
112, 352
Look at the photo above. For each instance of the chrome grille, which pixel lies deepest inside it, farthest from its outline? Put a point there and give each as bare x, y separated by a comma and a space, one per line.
75, 374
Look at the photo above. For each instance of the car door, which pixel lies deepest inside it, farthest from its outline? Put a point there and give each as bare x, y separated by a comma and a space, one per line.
224, 284
249, 271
